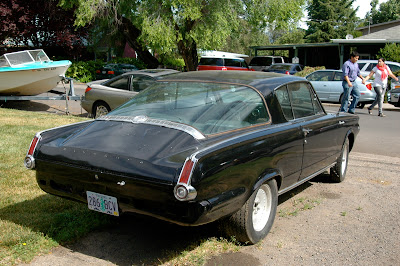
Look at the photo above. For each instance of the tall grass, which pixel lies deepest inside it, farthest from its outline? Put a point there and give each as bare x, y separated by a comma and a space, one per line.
31, 221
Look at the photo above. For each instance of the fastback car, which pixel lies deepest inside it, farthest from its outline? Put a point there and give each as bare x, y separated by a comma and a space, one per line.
199, 146
102, 96
328, 85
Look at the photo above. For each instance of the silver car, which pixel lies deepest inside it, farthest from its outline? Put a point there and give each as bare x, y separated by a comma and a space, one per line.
328, 85
393, 95
102, 96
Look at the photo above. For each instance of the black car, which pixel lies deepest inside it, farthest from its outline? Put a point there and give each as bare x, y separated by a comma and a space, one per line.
285, 68
112, 70
199, 146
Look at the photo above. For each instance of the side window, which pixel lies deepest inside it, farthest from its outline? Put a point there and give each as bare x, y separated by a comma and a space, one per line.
338, 76
119, 83
300, 96
316, 104
361, 65
233, 62
394, 68
141, 82
283, 98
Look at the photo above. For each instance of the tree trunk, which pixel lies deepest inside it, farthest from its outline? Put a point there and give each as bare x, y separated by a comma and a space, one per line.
188, 51
132, 33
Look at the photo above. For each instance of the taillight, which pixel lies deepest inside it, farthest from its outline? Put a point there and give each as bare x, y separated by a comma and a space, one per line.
98, 71
183, 191
88, 89
224, 68
369, 86
29, 161
110, 72
287, 72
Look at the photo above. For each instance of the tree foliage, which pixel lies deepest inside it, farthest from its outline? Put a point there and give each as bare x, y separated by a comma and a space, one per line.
387, 11
39, 23
391, 52
184, 26
330, 19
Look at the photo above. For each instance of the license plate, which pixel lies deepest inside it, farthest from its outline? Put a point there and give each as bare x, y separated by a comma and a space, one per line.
103, 72
102, 203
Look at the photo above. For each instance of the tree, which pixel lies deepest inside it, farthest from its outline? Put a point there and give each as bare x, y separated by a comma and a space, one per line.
39, 23
184, 25
387, 11
330, 19
391, 52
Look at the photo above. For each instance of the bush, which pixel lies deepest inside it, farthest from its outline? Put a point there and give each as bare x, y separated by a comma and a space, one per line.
84, 71
307, 70
391, 52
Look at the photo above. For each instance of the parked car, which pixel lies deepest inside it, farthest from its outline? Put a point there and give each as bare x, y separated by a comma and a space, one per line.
367, 65
285, 68
113, 70
198, 147
222, 63
102, 96
259, 63
393, 95
328, 85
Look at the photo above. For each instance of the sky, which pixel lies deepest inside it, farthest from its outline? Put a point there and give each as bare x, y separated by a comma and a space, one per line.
364, 6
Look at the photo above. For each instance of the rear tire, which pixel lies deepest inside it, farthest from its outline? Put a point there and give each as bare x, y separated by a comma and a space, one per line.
254, 220
338, 172
100, 109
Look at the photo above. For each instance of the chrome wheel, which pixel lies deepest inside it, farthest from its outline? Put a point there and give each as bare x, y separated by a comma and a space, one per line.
344, 160
262, 207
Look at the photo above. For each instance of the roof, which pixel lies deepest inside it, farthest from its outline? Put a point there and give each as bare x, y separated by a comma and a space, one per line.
387, 31
262, 81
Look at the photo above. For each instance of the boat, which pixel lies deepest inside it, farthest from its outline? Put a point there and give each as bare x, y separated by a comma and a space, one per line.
30, 72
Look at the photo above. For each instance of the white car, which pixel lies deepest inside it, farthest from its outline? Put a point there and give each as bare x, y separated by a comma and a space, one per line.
393, 95
367, 65
328, 85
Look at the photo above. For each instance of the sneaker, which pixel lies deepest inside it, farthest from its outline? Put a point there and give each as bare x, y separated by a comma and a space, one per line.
381, 115
369, 111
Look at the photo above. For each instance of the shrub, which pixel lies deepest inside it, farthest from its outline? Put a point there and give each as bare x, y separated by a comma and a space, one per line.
391, 52
307, 70
84, 71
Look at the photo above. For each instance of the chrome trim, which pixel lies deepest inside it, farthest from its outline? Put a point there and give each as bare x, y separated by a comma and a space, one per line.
156, 122
191, 192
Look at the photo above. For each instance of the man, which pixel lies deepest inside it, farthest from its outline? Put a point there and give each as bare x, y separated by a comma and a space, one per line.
350, 73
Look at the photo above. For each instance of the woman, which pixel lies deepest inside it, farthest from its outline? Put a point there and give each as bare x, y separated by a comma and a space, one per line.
381, 71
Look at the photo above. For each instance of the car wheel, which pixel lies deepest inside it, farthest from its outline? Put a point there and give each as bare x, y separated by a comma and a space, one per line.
338, 172
100, 108
254, 220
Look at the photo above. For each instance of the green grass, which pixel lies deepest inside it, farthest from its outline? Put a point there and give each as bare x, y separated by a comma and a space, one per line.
31, 221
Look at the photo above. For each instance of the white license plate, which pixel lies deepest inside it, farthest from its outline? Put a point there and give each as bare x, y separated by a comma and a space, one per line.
102, 203
103, 72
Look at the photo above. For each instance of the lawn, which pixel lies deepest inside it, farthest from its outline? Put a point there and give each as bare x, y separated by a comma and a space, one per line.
31, 221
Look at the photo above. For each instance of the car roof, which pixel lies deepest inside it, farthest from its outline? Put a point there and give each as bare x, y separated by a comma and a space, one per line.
264, 82
223, 57
152, 72
376, 61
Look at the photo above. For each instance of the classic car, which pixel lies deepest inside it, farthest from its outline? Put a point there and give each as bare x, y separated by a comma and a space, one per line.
197, 147
102, 96
112, 70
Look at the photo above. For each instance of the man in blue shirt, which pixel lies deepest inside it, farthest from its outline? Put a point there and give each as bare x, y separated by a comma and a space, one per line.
350, 73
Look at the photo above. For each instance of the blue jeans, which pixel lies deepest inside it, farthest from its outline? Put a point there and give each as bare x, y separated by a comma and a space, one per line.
347, 91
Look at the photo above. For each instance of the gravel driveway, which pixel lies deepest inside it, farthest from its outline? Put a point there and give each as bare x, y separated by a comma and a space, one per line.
356, 222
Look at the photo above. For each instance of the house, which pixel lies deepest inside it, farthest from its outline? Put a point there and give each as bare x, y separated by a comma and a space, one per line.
334, 53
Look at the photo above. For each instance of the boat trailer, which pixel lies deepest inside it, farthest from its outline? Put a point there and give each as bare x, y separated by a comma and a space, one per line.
67, 96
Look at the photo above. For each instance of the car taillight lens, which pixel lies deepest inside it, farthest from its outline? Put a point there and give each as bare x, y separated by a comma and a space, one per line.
29, 160
183, 191
88, 89
110, 72
224, 68
98, 71
369, 86
287, 72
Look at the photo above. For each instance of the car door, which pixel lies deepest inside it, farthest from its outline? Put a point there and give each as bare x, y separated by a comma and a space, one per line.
118, 91
141, 82
322, 83
320, 130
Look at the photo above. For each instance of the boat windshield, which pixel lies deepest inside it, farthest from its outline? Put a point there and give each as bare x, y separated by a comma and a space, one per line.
208, 107
23, 57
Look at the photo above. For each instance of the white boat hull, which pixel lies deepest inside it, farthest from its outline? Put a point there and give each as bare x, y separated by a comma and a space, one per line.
31, 81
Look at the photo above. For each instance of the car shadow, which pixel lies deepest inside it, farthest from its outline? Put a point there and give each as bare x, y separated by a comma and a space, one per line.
130, 239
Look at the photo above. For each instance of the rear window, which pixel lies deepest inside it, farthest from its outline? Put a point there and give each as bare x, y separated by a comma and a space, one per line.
211, 61
208, 107
261, 61
235, 62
